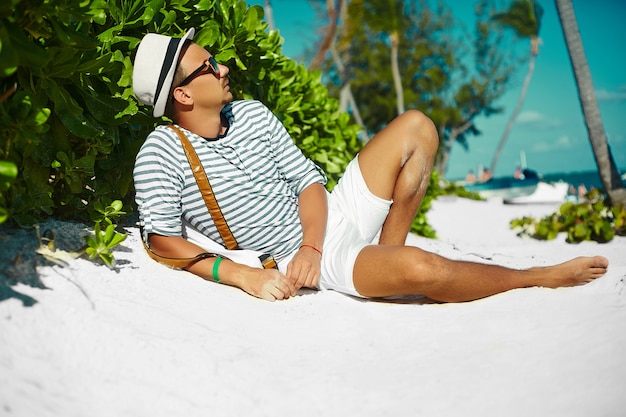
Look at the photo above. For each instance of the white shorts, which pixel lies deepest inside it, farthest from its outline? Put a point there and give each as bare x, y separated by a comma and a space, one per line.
355, 217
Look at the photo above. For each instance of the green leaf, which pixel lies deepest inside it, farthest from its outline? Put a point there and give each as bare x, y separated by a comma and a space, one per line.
104, 109
107, 258
4, 215
8, 170
116, 239
28, 50
208, 35
9, 58
94, 65
70, 113
72, 37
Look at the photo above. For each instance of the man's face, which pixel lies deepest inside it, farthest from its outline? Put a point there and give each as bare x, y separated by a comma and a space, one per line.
207, 82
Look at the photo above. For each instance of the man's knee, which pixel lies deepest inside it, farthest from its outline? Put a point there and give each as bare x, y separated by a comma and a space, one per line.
424, 130
419, 267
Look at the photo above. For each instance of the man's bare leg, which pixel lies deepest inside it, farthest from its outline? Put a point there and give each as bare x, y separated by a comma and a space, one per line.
396, 165
382, 271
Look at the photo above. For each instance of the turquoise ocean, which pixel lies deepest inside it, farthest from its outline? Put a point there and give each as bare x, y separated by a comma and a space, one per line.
590, 179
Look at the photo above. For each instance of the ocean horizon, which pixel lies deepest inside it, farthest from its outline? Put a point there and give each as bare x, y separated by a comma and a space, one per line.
589, 178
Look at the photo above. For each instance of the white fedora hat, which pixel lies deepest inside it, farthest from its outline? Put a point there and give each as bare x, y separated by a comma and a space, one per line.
154, 67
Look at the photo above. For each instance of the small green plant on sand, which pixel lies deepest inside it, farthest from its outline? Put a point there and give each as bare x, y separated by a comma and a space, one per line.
99, 245
592, 219
103, 241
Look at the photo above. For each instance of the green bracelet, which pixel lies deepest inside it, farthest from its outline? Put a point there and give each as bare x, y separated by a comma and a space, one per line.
216, 265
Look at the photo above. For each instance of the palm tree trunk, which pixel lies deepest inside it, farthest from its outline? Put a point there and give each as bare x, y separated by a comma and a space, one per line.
518, 108
329, 35
346, 98
443, 154
269, 15
609, 175
395, 70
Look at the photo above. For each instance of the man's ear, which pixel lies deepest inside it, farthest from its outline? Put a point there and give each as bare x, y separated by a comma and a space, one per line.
181, 96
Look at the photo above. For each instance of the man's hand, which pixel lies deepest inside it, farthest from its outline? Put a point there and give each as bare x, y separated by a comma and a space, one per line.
268, 284
304, 268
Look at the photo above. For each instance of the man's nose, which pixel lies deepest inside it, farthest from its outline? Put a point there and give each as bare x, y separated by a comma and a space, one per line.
224, 70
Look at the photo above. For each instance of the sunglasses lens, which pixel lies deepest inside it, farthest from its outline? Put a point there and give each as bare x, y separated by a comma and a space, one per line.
214, 65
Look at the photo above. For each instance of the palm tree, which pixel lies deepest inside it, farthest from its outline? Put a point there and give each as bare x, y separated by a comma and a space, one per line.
524, 17
337, 11
330, 33
385, 16
609, 175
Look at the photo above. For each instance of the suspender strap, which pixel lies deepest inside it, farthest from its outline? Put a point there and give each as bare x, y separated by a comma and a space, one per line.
207, 191
178, 263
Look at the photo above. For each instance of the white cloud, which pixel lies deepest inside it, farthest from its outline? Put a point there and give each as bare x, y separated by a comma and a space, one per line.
530, 116
538, 120
606, 95
563, 142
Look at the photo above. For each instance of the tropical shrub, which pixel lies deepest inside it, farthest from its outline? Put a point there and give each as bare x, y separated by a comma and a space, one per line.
592, 219
73, 126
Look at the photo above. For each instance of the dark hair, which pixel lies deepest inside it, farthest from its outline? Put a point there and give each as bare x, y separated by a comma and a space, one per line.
179, 76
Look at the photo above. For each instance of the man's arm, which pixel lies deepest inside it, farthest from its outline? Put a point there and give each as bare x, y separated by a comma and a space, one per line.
268, 284
304, 268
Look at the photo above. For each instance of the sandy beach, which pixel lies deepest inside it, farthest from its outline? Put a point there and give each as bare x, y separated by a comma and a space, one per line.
145, 340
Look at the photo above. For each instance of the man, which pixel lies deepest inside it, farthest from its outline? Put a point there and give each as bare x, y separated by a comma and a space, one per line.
274, 199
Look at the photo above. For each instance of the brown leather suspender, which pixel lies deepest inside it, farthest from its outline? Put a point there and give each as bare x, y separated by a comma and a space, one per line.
206, 191
179, 263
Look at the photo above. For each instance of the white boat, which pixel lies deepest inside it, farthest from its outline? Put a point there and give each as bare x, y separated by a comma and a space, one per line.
505, 187
527, 189
545, 193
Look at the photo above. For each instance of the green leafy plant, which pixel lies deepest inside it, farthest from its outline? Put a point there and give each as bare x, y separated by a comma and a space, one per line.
102, 242
592, 219
100, 245
66, 127
73, 127
108, 213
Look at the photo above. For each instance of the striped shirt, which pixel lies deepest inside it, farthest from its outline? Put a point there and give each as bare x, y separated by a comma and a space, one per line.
256, 172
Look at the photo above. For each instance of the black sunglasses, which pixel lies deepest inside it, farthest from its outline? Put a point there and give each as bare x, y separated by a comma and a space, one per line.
208, 64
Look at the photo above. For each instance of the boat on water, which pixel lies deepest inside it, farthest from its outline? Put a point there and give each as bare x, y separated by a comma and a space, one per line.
525, 186
528, 189
545, 193
504, 187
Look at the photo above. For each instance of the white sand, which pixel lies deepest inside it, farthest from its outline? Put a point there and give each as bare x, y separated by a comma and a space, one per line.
149, 341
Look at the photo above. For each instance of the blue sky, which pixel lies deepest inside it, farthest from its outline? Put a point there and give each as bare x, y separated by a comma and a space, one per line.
550, 129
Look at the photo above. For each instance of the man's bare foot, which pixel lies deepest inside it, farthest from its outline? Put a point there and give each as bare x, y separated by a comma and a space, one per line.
577, 271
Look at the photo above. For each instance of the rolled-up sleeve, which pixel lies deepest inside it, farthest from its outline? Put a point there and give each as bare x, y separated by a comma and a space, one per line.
158, 179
